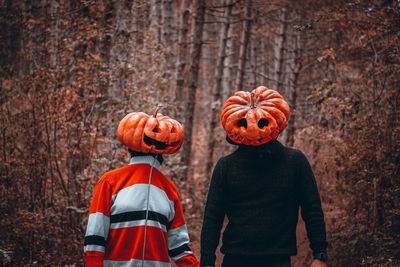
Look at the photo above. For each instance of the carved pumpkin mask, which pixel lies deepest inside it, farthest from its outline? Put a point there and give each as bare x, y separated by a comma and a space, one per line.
256, 117
145, 133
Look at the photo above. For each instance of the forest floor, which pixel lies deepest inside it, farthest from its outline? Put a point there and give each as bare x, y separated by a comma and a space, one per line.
300, 260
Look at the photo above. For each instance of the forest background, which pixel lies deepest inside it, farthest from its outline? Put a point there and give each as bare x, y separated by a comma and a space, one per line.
70, 71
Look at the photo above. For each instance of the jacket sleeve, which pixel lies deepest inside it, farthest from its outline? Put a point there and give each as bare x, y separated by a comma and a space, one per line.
98, 224
213, 217
178, 239
311, 210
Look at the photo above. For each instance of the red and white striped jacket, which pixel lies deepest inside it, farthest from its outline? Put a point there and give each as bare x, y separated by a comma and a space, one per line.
136, 219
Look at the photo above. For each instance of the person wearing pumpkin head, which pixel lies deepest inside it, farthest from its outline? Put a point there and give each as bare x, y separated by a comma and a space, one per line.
136, 218
260, 187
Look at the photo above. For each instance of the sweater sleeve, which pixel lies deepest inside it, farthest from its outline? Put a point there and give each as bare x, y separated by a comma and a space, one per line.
178, 239
98, 224
311, 210
213, 217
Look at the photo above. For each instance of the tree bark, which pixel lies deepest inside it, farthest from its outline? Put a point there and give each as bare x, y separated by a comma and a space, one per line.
155, 21
168, 35
227, 86
120, 49
255, 47
183, 50
197, 43
280, 49
263, 65
216, 98
169, 40
293, 88
244, 40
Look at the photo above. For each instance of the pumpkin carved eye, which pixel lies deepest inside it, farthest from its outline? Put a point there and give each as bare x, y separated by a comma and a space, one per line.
262, 123
242, 123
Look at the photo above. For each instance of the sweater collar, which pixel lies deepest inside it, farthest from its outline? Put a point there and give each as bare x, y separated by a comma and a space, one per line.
152, 161
271, 148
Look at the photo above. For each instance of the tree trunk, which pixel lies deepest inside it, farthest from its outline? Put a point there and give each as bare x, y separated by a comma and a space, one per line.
155, 21
196, 42
168, 39
168, 35
183, 50
206, 83
216, 98
120, 49
280, 49
227, 86
255, 46
263, 65
297, 66
244, 40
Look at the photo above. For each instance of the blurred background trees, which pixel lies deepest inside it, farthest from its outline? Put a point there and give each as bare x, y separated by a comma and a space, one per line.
70, 70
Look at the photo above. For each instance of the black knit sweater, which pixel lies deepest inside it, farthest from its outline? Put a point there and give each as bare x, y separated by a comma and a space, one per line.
260, 189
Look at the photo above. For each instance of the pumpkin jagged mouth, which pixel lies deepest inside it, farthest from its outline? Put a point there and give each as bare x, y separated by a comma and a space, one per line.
150, 141
240, 137
157, 144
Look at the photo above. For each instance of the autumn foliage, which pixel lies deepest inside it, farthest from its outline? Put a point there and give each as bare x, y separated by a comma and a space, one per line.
71, 70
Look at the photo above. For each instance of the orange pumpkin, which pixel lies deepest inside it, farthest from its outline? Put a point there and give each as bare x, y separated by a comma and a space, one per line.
256, 117
157, 134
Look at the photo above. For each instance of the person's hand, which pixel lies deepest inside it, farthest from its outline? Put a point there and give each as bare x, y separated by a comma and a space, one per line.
318, 263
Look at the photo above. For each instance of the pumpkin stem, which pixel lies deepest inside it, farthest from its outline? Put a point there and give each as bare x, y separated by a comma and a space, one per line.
156, 110
252, 100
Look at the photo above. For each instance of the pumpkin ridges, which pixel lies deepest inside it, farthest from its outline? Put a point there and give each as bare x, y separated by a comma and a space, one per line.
261, 88
179, 134
242, 94
237, 100
121, 126
131, 125
269, 93
270, 104
260, 103
279, 104
280, 116
230, 112
275, 100
232, 123
139, 135
134, 126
